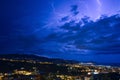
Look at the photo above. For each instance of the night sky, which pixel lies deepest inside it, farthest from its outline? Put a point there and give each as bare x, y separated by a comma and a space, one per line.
83, 30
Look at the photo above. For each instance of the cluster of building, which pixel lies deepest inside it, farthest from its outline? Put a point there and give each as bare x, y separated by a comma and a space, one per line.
81, 71
21, 74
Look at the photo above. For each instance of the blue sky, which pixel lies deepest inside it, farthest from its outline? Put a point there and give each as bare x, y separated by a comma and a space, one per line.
84, 30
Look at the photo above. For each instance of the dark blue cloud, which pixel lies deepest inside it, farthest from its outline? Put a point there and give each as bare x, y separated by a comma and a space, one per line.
101, 36
65, 19
87, 40
84, 38
74, 10
71, 26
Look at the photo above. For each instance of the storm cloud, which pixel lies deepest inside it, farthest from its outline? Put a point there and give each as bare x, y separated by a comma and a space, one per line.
100, 37
61, 30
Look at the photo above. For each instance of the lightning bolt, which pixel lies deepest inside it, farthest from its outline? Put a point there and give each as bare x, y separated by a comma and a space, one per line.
99, 7
54, 10
99, 3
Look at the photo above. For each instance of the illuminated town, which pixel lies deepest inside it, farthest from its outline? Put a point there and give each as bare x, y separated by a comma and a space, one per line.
21, 69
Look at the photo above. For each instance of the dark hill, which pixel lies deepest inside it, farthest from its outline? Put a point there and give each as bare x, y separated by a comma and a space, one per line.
35, 57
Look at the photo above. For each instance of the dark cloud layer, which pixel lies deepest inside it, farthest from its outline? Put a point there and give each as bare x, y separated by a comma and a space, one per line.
100, 37
30, 26
83, 37
74, 9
